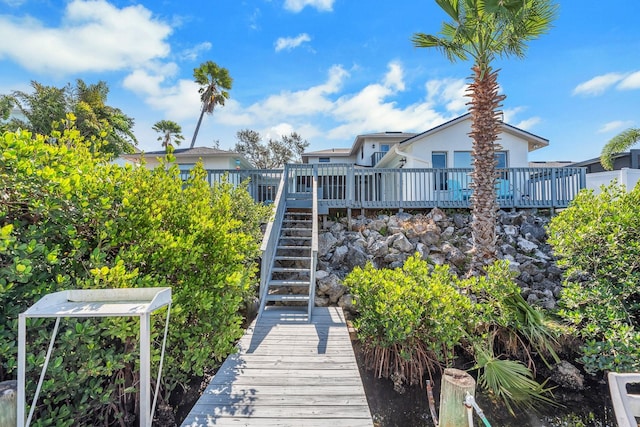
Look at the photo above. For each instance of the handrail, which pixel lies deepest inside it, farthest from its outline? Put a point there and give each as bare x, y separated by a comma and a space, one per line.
270, 239
314, 243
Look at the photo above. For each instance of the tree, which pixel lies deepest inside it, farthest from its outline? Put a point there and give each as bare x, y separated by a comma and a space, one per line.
214, 83
275, 153
171, 132
96, 121
618, 144
94, 116
484, 30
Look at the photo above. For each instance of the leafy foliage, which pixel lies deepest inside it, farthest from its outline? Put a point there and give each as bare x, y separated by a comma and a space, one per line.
619, 143
275, 153
215, 83
598, 241
100, 124
171, 133
412, 319
68, 219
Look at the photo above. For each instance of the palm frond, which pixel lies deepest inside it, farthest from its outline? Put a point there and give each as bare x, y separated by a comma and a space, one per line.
618, 144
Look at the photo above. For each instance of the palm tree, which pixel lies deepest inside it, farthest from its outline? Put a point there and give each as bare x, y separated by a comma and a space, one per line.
214, 83
618, 144
483, 30
171, 132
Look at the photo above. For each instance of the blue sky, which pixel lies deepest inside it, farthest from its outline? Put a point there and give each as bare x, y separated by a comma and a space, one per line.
327, 69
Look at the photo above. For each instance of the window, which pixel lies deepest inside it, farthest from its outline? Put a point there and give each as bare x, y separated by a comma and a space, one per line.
384, 148
324, 160
439, 161
463, 159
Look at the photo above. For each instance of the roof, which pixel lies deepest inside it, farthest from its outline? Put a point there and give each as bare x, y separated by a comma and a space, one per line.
330, 151
550, 163
195, 151
534, 141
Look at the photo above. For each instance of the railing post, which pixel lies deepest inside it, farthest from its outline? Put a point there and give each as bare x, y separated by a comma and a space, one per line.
400, 190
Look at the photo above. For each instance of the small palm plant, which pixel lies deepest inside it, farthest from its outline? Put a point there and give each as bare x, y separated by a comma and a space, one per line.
171, 133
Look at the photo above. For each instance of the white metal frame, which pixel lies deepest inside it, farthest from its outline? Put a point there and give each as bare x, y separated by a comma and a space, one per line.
130, 302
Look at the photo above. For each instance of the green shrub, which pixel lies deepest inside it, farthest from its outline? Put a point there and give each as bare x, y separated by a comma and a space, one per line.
70, 220
413, 319
598, 242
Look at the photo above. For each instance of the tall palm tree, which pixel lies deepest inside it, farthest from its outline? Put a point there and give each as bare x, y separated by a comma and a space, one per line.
483, 30
618, 144
214, 83
170, 131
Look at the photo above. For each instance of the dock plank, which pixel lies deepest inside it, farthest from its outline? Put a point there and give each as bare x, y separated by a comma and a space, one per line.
287, 372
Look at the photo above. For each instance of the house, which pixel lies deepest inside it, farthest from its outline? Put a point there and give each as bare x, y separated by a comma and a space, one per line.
187, 158
439, 165
626, 171
445, 146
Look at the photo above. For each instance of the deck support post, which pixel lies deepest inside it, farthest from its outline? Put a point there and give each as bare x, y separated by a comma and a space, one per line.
8, 403
453, 390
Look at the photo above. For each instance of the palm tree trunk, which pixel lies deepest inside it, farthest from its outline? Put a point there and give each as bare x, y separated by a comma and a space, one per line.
195, 133
485, 129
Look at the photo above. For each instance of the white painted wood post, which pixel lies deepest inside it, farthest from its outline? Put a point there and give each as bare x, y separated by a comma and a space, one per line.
145, 370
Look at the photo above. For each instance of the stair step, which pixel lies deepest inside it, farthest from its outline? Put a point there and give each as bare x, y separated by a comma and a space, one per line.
289, 270
292, 258
295, 229
288, 298
295, 237
293, 248
306, 221
298, 213
277, 283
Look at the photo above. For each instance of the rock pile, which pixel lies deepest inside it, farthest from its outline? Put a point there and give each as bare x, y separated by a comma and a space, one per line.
388, 240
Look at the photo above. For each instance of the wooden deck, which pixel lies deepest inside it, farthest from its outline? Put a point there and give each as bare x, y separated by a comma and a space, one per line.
288, 372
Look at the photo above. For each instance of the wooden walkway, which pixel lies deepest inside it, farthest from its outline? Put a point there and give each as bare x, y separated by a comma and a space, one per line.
288, 372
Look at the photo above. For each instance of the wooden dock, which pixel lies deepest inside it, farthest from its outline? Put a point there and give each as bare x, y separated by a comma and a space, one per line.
288, 372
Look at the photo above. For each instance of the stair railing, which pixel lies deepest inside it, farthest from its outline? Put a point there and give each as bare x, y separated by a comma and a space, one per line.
270, 239
314, 243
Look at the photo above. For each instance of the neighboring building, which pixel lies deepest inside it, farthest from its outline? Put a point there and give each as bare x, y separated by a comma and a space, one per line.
445, 146
626, 170
367, 150
186, 158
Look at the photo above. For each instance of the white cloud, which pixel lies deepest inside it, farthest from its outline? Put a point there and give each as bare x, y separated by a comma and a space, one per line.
192, 54
94, 36
297, 5
632, 81
395, 77
448, 92
289, 43
598, 84
527, 124
14, 3
614, 126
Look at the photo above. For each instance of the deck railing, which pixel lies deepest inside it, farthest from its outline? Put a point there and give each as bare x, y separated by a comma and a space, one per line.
348, 186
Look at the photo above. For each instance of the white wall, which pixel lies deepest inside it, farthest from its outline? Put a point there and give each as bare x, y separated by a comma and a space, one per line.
456, 138
217, 162
334, 159
625, 176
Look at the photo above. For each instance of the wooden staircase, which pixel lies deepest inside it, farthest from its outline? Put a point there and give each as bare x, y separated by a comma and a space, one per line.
289, 282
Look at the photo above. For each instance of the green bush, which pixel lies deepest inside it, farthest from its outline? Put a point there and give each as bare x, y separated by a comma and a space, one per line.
598, 242
397, 318
413, 319
70, 220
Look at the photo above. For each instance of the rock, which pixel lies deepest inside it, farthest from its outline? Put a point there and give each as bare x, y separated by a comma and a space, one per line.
321, 274
402, 244
438, 258
339, 254
526, 245
356, 257
568, 376
437, 215
535, 230
326, 242
430, 237
348, 303
322, 301
510, 230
